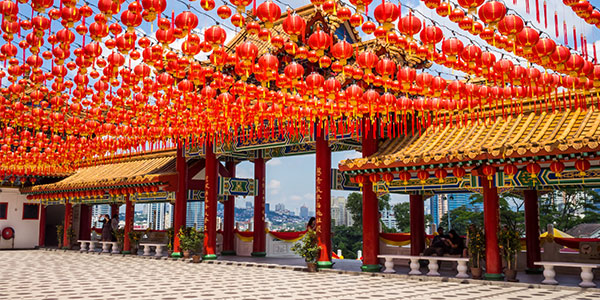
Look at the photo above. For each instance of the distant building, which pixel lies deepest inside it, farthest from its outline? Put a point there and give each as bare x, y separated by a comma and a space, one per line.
339, 215
195, 215
159, 216
279, 207
388, 218
249, 204
440, 204
97, 211
587, 230
304, 211
267, 207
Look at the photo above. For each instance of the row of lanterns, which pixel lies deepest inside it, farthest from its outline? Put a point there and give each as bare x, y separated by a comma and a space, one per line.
94, 194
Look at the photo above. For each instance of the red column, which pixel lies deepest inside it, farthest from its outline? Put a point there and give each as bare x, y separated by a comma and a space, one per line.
532, 231
128, 224
370, 209
42, 233
259, 242
210, 203
323, 200
85, 222
180, 199
68, 223
229, 217
417, 225
114, 209
491, 216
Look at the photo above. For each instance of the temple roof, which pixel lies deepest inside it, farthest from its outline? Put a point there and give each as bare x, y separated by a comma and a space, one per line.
564, 132
138, 170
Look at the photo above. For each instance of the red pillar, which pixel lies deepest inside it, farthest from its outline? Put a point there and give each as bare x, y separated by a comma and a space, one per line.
532, 231
68, 223
210, 203
180, 199
128, 224
42, 233
417, 225
370, 209
114, 209
491, 216
229, 217
323, 200
259, 242
85, 222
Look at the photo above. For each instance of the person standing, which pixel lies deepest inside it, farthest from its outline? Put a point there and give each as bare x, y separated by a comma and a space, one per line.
114, 225
106, 231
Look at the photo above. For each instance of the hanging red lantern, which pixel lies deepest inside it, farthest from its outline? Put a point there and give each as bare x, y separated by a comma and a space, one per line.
319, 41
374, 177
186, 21
294, 26
423, 176
527, 38
557, 167
388, 177
489, 172
582, 165
386, 13
470, 5
367, 60
369, 27
431, 35
342, 50
224, 12
215, 36
533, 169
441, 174
510, 170
405, 177
492, 12
510, 26
409, 25
452, 47
268, 12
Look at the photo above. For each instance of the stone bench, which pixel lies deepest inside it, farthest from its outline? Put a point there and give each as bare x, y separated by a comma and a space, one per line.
586, 271
158, 248
114, 246
433, 264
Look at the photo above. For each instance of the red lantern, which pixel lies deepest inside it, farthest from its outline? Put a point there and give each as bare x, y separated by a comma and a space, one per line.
369, 27
470, 5
452, 47
388, 177
431, 35
510, 26
527, 39
582, 165
375, 177
386, 13
367, 60
423, 176
319, 41
342, 50
215, 36
268, 12
186, 21
409, 25
510, 170
492, 12
533, 169
294, 26
404, 176
224, 12
441, 174
557, 167
489, 172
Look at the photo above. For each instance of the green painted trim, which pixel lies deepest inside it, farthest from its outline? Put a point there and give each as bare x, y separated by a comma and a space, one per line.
324, 264
209, 257
228, 253
259, 254
126, 252
176, 254
492, 276
534, 271
371, 268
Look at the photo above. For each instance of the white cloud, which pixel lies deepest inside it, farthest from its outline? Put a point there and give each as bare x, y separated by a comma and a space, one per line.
273, 186
295, 198
309, 196
274, 162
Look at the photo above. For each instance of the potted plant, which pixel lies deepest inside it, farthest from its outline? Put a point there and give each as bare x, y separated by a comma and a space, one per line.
68, 244
170, 238
509, 241
60, 235
190, 241
120, 235
134, 241
308, 249
476, 249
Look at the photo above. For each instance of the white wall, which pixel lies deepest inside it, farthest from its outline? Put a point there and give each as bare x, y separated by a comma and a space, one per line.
26, 231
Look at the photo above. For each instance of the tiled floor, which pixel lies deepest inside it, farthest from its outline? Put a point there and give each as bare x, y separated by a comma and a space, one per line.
72, 275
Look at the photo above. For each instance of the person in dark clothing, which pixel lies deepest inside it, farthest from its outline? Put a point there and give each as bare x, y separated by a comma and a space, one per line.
454, 243
106, 231
312, 224
438, 244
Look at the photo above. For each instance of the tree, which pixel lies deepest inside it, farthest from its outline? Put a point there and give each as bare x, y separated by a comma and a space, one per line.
348, 239
511, 210
354, 206
569, 207
402, 214
460, 219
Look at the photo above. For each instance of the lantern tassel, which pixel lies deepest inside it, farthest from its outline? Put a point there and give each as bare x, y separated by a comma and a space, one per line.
537, 10
575, 37
545, 15
556, 23
566, 35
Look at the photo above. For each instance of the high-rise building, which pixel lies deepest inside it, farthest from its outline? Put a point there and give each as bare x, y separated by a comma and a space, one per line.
388, 218
279, 207
97, 211
442, 203
267, 207
195, 215
249, 204
338, 211
159, 216
304, 211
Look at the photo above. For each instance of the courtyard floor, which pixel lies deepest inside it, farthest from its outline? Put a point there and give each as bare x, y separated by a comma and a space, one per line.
70, 275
